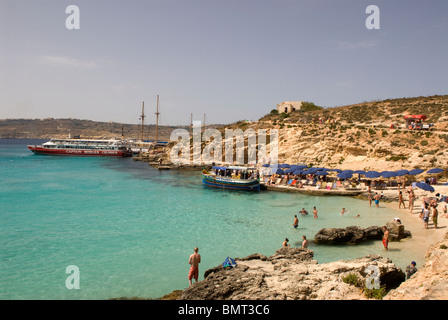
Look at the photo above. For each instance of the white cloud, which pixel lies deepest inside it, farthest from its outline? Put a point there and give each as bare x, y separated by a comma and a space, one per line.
68, 62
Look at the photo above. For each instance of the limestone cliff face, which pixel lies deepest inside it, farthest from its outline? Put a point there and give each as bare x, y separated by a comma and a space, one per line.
430, 282
291, 274
366, 136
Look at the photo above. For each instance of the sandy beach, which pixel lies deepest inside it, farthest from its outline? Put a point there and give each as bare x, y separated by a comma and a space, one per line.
422, 238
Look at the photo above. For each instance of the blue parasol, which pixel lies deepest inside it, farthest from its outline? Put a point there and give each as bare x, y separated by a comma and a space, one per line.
388, 174
414, 172
279, 171
402, 173
372, 174
345, 175
435, 170
424, 186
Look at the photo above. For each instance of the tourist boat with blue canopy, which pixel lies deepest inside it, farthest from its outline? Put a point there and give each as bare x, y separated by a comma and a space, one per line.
232, 177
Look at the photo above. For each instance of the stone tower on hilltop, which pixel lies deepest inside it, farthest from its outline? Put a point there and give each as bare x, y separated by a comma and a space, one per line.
289, 106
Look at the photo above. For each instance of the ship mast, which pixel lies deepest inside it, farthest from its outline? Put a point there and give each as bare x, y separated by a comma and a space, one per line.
157, 117
143, 118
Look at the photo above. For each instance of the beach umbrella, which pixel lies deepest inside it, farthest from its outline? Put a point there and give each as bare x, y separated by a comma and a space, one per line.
435, 170
301, 166
298, 172
311, 170
279, 171
345, 175
372, 174
321, 173
424, 186
336, 170
414, 172
388, 174
267, 165
402, 173
284, 165
359, 172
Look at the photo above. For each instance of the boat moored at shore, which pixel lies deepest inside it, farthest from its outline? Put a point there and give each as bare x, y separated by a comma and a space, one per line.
232, 177
83, 147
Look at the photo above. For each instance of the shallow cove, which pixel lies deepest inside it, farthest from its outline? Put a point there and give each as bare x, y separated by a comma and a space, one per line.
130, 228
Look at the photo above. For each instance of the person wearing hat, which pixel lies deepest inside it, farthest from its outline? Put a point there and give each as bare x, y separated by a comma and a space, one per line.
411, 269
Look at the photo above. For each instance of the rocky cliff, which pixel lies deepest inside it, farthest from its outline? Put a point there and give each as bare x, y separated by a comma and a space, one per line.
366, 136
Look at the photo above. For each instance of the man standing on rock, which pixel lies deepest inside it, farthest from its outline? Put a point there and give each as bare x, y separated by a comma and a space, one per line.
385, 238
194, 261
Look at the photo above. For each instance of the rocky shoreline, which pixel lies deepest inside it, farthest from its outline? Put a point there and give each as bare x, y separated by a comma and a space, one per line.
292, 274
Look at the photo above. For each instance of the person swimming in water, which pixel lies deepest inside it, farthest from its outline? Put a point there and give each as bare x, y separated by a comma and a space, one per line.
303, 212
296, 222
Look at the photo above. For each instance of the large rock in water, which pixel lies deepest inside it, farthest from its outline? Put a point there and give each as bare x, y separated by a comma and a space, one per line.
397, 231
348, 235
355, 235
291, 273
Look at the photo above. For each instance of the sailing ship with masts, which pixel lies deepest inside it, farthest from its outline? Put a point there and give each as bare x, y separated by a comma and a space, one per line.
144, 146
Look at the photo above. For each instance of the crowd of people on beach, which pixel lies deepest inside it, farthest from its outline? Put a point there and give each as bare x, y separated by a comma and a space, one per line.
429, 208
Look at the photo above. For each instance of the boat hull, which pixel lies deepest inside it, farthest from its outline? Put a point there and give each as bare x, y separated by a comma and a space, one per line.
228, 183
80, 152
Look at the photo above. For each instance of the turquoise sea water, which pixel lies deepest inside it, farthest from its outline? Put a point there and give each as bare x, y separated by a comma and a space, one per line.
130, 228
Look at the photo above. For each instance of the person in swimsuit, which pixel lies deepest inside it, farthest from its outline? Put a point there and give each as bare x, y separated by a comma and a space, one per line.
377, 199
285, 243
401, 201
315, 212
296, 222
426, 216
435, 215
194, 261
385, 238
305, 242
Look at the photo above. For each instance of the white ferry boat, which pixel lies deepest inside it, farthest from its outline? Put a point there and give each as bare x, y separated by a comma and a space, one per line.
83, 147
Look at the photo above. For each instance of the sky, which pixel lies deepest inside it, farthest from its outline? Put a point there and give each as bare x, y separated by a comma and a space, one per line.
229, 59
